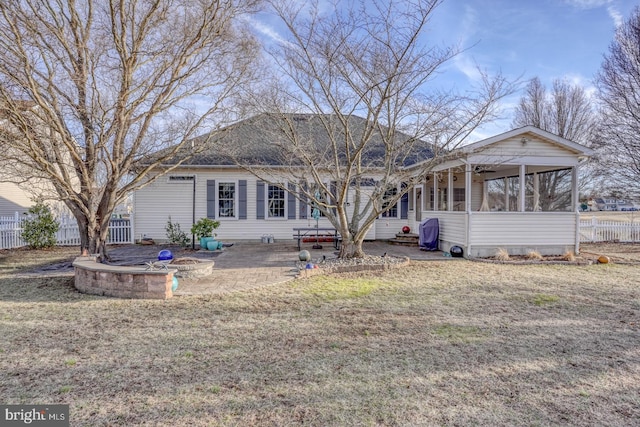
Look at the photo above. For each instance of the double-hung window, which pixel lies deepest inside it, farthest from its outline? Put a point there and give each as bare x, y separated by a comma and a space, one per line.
390, 210
276, 202
227, 200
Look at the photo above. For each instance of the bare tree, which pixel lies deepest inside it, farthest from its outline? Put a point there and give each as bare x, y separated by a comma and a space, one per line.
567, 112
618, 84
89, 88
364, 70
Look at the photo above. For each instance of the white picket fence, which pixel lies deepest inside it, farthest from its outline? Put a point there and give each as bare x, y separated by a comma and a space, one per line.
120, 232
597, 230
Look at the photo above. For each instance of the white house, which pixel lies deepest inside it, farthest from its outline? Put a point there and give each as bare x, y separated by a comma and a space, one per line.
13, 199
490, 194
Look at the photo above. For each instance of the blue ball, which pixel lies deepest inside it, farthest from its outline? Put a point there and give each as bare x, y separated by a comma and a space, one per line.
165, 255
174, 284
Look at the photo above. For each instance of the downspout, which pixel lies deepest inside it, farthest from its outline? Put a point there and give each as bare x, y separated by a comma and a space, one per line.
574, 201
467, 202
193, 213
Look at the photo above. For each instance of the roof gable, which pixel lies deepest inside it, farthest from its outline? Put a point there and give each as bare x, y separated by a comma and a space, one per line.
525, 134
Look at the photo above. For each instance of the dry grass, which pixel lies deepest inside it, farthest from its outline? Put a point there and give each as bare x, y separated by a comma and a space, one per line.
569, 256
502, 255
534, 255
437, 343
623, 216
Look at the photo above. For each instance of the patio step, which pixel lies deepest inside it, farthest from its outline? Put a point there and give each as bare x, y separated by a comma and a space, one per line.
405, 239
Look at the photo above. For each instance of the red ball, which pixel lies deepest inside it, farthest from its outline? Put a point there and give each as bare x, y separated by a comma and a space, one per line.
406, 229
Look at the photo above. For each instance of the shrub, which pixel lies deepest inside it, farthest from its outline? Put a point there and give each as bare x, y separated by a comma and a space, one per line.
502, 255
204, 227
40, 228
176, 235
569, 256
534, 255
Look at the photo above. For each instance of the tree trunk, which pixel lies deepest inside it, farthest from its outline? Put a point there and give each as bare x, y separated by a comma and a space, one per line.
351, 249
93, 237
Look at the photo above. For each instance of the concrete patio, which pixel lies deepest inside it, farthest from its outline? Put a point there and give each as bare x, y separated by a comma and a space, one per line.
248, 265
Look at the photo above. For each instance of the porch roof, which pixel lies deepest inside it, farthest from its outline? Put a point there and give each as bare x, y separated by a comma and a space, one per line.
523, 146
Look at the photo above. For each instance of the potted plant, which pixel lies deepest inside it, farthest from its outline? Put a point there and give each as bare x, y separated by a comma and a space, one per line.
203, 230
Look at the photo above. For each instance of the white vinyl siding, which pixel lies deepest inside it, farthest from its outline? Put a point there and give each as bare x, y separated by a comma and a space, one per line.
13, 199
522, 228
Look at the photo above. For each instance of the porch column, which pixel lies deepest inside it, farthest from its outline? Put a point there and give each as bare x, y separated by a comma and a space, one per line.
574, 189
436, 202
467, 205
467, 187
523, 171
449, 190
506, 194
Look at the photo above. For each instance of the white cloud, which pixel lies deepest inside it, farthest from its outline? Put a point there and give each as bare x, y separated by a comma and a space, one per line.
467, 66
588, 4
266, 30
615, 14
582, 81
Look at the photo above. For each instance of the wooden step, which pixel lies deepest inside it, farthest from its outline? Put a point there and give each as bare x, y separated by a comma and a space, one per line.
407, 237
402, 242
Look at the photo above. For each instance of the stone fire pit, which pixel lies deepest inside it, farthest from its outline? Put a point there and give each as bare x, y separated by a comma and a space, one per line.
188, 267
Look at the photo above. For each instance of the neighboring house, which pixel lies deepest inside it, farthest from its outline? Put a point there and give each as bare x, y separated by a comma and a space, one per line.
13, 199
612, 204
487, 195
20, 186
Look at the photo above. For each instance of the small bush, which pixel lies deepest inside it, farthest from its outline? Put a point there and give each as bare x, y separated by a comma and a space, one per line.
502, 255
176, 235
569, 256
40, 228
534, 255
204, 228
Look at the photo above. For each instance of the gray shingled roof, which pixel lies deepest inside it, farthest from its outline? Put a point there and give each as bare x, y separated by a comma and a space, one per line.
262, 140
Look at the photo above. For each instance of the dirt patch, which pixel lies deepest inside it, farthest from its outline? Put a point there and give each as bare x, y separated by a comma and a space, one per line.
619, 253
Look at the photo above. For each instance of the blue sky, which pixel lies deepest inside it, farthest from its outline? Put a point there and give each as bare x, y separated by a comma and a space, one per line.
523, 39
549, 39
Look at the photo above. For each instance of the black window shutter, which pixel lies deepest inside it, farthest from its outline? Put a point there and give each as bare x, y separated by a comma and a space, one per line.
260, 200
303, 201
242, 199
291, 202
404, 203
211, 198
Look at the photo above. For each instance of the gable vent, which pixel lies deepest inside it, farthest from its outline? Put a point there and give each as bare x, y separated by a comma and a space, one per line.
181, 178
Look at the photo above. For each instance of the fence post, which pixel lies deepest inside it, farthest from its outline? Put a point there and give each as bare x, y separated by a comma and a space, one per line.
594, 224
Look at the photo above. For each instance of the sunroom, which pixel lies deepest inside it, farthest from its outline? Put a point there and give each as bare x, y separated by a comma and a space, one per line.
517, 191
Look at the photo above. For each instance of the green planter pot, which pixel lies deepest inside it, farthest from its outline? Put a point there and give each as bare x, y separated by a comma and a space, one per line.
214, 245
205, 240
